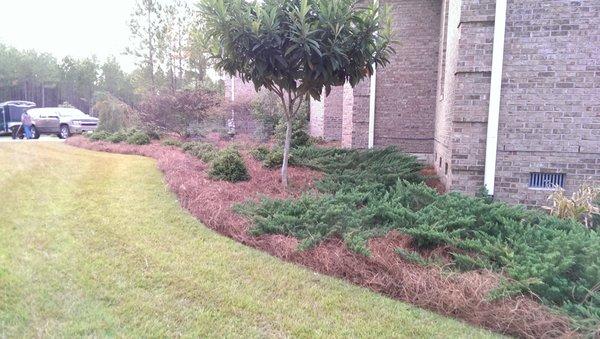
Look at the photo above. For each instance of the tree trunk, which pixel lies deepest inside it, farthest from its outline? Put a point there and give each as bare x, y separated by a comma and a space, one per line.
286, 152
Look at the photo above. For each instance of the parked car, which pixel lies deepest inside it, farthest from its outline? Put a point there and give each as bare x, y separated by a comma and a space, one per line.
44, 121
62, 122
10, 115
74, 121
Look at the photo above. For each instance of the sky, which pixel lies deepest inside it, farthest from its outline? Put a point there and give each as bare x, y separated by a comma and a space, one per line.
79, 28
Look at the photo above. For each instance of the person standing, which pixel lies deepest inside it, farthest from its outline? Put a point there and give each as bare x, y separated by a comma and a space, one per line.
26, 122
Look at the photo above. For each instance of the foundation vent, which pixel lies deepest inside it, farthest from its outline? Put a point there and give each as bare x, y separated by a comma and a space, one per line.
546, 180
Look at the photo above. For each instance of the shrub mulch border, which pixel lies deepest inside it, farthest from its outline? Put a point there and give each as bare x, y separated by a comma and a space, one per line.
458, 295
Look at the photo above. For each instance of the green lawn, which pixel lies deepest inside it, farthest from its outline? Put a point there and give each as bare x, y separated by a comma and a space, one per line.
94, 244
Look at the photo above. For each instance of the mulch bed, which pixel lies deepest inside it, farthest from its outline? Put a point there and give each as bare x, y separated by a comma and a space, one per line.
459, 295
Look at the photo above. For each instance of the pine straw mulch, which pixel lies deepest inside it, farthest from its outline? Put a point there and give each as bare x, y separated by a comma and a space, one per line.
459, 295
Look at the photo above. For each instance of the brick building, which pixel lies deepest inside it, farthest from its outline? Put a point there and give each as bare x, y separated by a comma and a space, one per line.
467, 68
503, 94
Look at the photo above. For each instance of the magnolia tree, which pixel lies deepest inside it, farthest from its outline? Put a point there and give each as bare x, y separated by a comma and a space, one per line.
296, 48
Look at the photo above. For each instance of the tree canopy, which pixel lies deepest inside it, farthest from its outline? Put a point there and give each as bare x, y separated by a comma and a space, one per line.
297, 48
300, 46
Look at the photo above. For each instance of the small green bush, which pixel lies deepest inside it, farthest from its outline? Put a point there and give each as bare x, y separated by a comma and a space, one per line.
201, 150
99, 136
153, 134
229, 165
138, 138
171, 142
117, 137
260, 153
274, 158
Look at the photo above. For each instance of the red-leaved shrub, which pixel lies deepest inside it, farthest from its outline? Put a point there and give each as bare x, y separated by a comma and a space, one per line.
174, 111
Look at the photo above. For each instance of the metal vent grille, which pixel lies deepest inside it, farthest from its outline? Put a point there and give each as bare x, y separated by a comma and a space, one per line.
546, 180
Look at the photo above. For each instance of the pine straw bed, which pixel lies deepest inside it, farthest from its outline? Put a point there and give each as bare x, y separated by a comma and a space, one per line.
459, 295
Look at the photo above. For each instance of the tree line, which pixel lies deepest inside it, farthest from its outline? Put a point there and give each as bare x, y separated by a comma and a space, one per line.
164, 40
40, 77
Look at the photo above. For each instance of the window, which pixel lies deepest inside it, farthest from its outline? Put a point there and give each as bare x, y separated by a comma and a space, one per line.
446, 169
546, 180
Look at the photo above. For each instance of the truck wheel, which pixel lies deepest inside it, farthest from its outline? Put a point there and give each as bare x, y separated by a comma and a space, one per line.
35, 134
64, 132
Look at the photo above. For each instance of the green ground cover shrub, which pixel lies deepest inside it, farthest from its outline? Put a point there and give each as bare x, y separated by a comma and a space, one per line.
152, 133
138, 138
368, 194
357, 167
171, 142
99, 136
117, 137
229, 165
201, 150
260, 153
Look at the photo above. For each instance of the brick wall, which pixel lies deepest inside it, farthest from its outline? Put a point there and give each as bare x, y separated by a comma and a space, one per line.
332, 120
550, 112
326, 115
347, 115
406, 88
470, 97
550, 105
360, 115
317, 112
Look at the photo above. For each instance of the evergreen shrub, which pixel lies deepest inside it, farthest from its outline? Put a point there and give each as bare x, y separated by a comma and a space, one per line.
229, 165
138, 138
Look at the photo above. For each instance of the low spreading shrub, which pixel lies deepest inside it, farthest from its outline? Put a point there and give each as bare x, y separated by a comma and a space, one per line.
171, 142
117, 137
229, 165
366, 194
201, 150
260, 153
274, 158
555, 259
357, 167
138, 138
99, 136
152, 133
